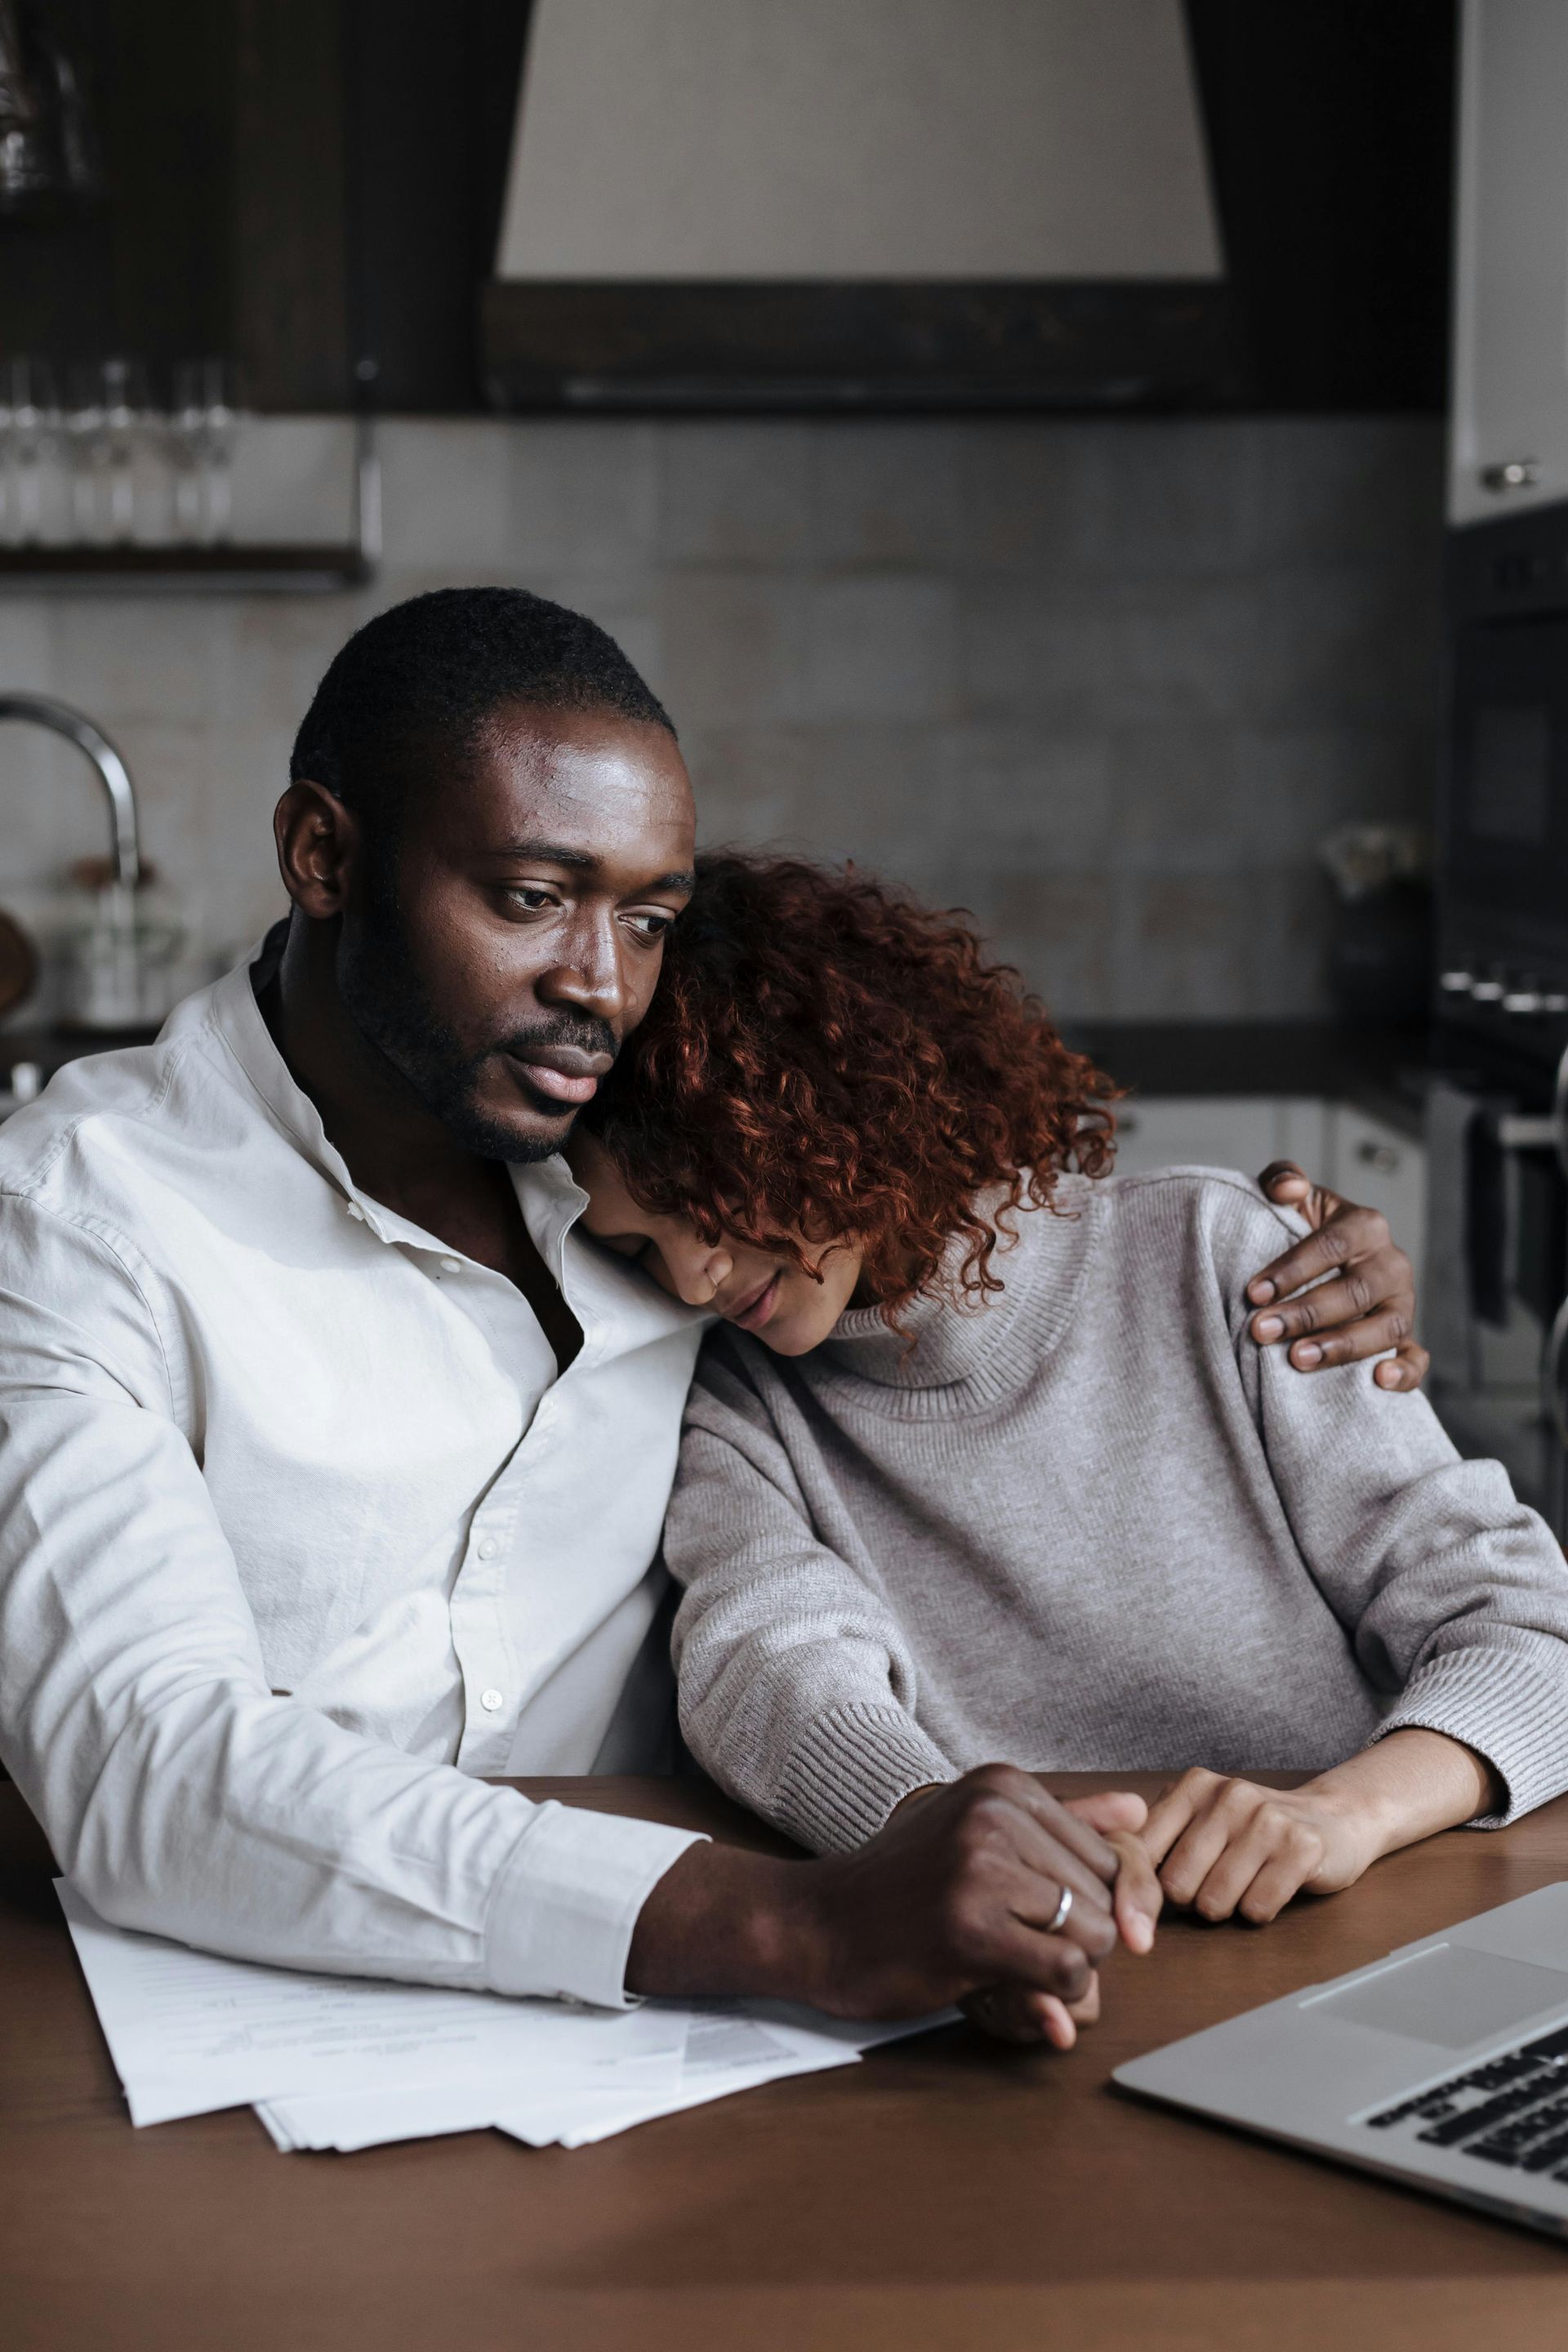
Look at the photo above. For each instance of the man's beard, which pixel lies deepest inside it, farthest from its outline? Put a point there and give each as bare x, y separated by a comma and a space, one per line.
389, 1004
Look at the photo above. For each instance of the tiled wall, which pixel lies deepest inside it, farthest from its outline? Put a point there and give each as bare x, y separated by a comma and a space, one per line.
1104, 682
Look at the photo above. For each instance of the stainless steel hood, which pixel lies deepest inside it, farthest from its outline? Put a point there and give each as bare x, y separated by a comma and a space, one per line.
857, 204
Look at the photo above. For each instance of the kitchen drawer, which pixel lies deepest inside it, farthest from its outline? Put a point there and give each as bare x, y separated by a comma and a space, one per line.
1375, 1164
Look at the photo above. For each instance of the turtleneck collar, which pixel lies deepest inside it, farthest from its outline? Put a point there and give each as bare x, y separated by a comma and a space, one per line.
954, 1359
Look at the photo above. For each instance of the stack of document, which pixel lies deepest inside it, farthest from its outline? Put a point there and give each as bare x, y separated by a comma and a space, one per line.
347, 2062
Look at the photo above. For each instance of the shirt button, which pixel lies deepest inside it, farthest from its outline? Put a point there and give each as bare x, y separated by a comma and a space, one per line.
488, 1549
489, 1700
451, 1265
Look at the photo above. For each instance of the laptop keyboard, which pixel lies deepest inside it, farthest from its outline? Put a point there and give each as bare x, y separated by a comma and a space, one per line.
1512, 2111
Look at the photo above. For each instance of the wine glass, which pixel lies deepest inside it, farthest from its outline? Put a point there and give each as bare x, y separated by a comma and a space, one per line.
30, 424
107, 410
205, 427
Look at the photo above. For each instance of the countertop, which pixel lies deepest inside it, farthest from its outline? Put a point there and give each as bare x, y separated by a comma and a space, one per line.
1381, 1071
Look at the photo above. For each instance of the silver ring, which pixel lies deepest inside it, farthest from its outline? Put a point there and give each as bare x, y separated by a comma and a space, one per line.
1058, 1916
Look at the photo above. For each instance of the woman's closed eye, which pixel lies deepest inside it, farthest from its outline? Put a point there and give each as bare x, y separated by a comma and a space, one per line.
633, 1247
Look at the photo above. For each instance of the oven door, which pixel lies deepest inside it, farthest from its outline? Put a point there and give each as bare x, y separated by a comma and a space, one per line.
1504, 852
1495, 1293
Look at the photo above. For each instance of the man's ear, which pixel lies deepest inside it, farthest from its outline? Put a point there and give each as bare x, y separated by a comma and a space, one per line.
318, 844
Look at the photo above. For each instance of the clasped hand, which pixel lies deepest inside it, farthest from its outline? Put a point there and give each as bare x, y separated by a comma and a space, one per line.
1225, 1846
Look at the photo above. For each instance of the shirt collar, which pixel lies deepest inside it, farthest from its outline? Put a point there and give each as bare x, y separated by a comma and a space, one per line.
548, 1193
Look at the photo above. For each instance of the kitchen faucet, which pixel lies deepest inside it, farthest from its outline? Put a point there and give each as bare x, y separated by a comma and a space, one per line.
113, 773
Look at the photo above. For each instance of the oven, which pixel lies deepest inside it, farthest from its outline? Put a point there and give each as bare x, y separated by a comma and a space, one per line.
1497, 1124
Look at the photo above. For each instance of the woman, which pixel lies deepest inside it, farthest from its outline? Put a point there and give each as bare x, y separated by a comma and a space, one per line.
984, 1463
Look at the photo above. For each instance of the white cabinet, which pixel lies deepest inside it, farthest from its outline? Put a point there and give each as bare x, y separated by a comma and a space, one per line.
1375, 1164
1510, 279
1245, 1132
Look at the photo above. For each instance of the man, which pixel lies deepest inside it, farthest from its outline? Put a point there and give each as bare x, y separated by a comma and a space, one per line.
334, 1462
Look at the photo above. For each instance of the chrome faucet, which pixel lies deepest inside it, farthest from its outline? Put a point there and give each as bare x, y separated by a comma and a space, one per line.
124, 841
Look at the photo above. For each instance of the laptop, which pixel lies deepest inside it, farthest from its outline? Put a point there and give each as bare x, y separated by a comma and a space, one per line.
1444, 2066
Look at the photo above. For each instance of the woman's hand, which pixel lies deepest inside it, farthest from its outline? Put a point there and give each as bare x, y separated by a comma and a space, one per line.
1224, 1846
1367, 1308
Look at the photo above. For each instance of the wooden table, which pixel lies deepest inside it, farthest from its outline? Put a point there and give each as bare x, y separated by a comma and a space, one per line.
948, 2193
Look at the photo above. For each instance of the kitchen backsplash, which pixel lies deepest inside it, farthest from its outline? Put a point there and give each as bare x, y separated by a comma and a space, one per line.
1104, 682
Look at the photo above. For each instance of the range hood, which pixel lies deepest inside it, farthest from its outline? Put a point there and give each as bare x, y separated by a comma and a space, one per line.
858, 204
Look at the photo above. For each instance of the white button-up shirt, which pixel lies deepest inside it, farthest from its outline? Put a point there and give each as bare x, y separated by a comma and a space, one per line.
301, 1534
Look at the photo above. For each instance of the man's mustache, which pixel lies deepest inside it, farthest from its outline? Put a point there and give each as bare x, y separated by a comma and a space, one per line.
580, 1033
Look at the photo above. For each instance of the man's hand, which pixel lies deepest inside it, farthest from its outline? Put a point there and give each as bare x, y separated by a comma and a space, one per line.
1367, 1308
951, 1899
1223, 1846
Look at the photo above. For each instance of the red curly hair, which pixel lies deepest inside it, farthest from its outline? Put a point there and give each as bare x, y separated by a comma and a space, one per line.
826, 1058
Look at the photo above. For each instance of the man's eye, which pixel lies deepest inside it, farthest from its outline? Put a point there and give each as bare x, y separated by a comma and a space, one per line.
532, 897
652, 925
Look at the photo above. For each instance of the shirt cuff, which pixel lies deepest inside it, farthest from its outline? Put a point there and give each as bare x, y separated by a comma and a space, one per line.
853, 1766
1512, 1707
564, 1906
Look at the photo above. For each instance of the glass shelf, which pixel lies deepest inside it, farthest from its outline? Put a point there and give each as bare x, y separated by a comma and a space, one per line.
275, 569
228, 567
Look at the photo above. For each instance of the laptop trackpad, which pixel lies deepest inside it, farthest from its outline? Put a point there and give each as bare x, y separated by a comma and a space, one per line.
1452, 1995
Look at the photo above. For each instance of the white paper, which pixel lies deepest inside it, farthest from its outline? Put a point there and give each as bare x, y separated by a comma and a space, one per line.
355, 2119
732, 2047
189, 2031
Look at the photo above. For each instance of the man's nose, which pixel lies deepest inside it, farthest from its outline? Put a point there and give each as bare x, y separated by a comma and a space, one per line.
590, 975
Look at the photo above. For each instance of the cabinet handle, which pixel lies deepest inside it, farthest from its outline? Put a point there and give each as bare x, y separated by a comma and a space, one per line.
1511, 473
1382, 1157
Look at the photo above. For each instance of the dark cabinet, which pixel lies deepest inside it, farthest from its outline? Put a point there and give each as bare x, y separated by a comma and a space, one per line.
307, 185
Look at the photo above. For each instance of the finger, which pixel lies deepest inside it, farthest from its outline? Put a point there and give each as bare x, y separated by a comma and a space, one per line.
1071, 1830
1264, 1839
1285, 1183
1348, 1237
1200, 1845
1281, 1878
1344, 1299
1113, 1809
1137, 1900
1020, 1955
1090, 1920
1405, 1370
1013, 2012
1352, 1343
1060, 2027
1085, 2011
1172, 1811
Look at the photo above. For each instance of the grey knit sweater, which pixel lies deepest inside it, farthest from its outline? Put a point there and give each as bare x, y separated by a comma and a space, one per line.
1093, 1525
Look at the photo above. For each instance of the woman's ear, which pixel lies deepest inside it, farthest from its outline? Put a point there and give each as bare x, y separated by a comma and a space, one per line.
318, 840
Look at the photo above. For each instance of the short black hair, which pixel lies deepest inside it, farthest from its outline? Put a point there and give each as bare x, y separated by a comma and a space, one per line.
422, 677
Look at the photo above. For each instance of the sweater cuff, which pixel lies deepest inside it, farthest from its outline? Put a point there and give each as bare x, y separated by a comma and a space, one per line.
564, 1906
1508, 1706
853, 1766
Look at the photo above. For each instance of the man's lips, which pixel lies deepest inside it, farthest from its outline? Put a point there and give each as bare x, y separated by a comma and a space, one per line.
755, 1309
563, 1073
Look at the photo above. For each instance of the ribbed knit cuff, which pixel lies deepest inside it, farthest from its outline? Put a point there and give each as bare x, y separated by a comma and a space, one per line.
854, 1764
1508, 1706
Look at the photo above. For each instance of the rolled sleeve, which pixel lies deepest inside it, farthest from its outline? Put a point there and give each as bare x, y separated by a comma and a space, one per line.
563, 1908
